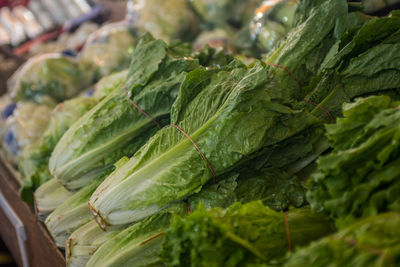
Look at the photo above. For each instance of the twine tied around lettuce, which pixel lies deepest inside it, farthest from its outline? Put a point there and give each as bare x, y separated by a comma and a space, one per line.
301, 83
285, 219
173, 125
288, 71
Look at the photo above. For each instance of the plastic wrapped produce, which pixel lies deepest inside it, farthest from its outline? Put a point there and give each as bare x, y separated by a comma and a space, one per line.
24, 127
7, 108
108, 49
41, 14
271, 22
167, 20
30, 24
218, 13
50, 75
218, 38
13, 26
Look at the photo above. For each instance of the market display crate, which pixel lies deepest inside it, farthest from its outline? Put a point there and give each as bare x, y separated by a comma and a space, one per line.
22, 232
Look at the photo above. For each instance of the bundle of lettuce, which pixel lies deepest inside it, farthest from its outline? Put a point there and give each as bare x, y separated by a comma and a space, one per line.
361, 176
240, 235
114, 127
274, 187
48, 77
372, 241
129, 127
236, 113
33, 163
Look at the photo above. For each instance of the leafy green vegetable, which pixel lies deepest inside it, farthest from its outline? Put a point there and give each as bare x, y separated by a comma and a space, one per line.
240, 235
49, 196
361, 176
115, 128
108, 83
239, 101
33, 163
233, 114
372, 241
52, 75
274, 187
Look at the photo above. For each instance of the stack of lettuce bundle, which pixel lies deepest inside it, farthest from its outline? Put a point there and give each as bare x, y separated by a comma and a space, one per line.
213, 105
114, 128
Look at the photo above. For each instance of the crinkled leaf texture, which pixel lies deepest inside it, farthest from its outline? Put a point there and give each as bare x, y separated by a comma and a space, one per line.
240, 235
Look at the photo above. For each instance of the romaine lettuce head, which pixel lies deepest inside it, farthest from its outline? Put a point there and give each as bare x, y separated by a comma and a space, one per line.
114, 127
108, 49
53, 75
168, 20
33, 163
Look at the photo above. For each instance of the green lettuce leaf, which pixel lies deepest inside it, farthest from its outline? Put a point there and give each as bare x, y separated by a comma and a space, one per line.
238, 236
372, 241
114, 127
361, 176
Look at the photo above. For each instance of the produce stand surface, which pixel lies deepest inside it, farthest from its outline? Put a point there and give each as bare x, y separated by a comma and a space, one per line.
34, 246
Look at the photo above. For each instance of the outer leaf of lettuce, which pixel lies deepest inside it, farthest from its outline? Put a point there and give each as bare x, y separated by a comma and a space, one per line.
114, 128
